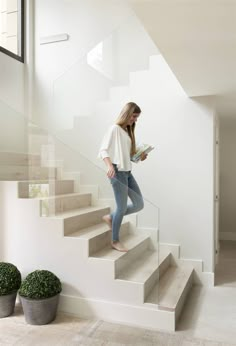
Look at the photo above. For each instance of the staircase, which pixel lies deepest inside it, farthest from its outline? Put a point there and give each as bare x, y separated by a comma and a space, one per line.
62, 231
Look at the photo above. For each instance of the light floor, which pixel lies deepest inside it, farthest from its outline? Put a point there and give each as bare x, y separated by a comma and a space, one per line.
209, 319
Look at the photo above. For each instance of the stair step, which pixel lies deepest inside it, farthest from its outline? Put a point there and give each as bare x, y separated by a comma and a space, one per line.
141, 270
78, 219
98, 235
132, 255
53, 187
16, 173
80, 211
163, 266
19, 159
129, 240
66, 202
170, 292
89, 232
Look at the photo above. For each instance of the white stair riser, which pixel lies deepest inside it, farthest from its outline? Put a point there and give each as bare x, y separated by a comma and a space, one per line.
75, 223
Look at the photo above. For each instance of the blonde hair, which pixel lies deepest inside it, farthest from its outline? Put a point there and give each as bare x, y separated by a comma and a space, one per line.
127, 111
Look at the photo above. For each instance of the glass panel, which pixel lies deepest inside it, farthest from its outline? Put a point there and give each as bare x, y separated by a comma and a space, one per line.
67, 184
87, 99
66, 176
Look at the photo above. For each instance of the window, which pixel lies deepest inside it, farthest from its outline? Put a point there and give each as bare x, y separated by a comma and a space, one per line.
12, 28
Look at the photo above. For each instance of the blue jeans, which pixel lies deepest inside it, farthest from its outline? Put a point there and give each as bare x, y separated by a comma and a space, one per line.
124, 185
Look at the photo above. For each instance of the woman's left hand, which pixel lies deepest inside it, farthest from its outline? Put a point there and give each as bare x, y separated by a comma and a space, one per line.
143, 156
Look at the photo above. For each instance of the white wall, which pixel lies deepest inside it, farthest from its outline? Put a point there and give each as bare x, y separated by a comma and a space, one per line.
178, 176
227, 179
15, 93
13, 130
12, 82
132, 47
65, 86
12, 123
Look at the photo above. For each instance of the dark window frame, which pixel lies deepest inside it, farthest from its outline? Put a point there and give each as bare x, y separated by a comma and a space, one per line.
22, 38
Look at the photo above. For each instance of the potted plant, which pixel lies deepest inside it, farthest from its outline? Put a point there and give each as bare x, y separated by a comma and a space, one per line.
10, 280
39, 294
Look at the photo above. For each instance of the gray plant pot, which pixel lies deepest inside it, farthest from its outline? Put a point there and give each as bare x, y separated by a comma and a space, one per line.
7, 304
42, 311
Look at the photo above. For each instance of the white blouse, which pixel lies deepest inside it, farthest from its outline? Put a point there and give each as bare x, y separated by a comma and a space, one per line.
116, 145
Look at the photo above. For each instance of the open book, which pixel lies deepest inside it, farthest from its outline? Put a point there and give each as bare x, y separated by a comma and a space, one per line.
142, 149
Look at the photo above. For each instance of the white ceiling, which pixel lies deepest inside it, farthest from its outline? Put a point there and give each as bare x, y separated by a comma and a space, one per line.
198, 40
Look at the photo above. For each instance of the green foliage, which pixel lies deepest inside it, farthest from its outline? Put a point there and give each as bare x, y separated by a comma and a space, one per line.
10, 278
40, 190
40, 284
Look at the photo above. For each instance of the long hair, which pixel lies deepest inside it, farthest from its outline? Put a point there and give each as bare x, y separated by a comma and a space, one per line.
123, 119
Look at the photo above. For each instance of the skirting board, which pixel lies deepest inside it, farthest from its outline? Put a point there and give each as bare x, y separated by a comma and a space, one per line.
139, 316
227, 235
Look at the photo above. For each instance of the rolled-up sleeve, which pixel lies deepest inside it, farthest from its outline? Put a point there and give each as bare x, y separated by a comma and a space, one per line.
106, 144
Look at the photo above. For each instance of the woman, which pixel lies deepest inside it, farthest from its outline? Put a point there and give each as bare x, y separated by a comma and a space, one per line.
117, 148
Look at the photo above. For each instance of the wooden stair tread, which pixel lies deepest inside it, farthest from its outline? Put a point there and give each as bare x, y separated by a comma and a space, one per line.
76, 212
43, 181
93, 231
55, 187
90, 232
73, 194
144, 266
128, 240
19, 159
167, 292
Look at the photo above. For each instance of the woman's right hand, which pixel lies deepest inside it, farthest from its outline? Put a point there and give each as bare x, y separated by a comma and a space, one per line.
111, 171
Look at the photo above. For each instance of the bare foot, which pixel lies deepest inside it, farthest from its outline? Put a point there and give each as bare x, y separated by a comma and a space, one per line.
108, 220
118, 246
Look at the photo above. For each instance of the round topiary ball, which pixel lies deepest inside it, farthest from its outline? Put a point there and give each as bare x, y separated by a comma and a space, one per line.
40, 284
10, 278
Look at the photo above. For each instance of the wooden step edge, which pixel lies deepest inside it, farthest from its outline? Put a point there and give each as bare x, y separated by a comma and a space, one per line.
122, 262
85, 217
43, 181
19, 159
114, 255
185, 286
163, 265
67, 215
99, 241
142, 263
23, 186
88, 233
184, 296
66, 195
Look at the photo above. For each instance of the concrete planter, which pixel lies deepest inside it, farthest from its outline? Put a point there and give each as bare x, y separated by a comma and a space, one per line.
7, 304
42, 311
